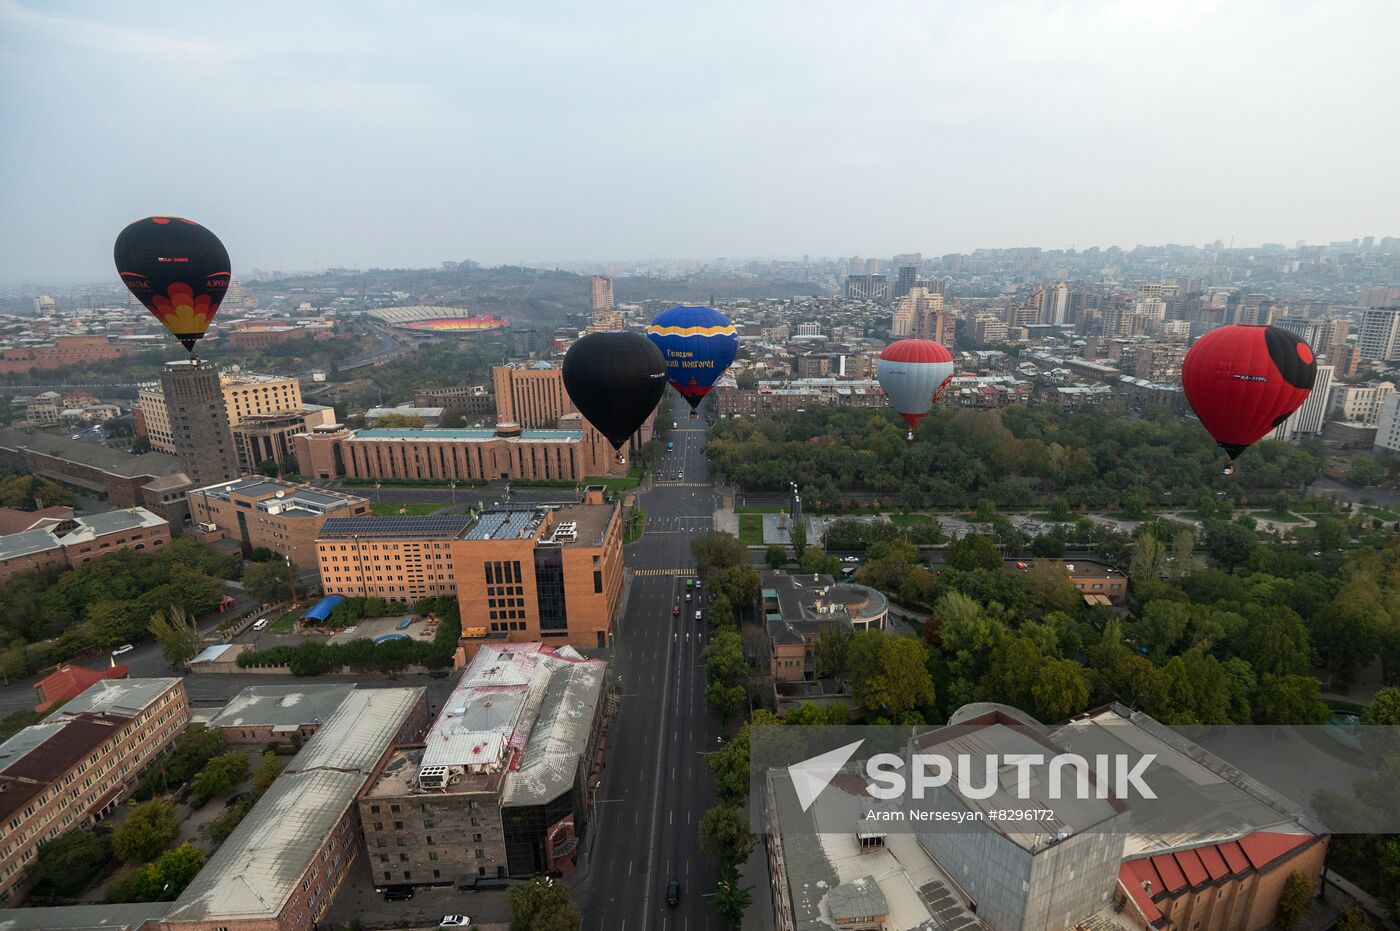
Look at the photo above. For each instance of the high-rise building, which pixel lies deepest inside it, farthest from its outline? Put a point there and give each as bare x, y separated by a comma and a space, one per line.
902, 326
199, 422
1327, 335
531, 394
1345, 359
605, 320
1380, 334
602, 297
1058, 313
245, 395
1030, 311
1251, 310
1360, 404
908, 275
867, 287
1388, 423
1308, 419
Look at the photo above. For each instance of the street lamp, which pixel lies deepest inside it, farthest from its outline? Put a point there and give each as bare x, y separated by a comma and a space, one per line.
376, 490
453, 486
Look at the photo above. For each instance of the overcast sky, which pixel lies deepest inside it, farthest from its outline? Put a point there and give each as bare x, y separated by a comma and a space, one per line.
355, 134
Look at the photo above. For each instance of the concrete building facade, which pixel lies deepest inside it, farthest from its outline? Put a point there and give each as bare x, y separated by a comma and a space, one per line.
258, 438
199, 421
268, 513
245, 395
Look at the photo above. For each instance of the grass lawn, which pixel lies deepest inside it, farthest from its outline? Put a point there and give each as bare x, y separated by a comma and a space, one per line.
1280, 517
627, 482
751, 529
760, 509
392, 508
285, 624
1381, 513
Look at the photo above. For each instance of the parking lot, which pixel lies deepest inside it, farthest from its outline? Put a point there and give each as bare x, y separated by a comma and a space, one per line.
357, 901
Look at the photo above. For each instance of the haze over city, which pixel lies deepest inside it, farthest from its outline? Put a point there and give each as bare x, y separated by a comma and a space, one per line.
326, 135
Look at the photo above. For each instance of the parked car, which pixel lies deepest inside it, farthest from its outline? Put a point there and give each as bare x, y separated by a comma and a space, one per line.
673, 893
124, 648
400, 892
454, 921
260, 623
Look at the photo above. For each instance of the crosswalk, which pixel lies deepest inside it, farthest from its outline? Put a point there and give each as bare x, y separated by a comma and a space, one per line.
652, 572
682, 484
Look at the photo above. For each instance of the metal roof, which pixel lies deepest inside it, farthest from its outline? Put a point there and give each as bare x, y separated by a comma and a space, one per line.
505, 525
274, 705
112, 522
83, 917
860, 898
411, 527
451, 434
127, 697
259, 867
27, 543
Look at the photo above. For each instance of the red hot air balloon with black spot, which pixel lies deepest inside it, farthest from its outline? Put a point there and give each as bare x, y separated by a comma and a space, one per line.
1243, 381
913, 373
176, 268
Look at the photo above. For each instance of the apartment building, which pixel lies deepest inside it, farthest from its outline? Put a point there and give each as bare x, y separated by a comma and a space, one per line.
76, 540
75, 767
245, 395
258, 438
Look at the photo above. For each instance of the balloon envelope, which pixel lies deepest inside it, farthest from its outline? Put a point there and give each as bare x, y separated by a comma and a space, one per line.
697, 344
1243, 381
177, 269
912, 373
615, 379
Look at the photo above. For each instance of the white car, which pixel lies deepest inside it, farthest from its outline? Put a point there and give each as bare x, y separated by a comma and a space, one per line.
124, 648
699, 615
454, 921
850, 559
260, 623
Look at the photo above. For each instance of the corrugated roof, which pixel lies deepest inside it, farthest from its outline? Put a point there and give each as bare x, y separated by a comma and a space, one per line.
83, 917
257, 869
274, 705
122, 696
27, 543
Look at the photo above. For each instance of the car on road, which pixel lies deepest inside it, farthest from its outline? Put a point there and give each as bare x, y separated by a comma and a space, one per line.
850, 559
690, 583
400, 892
260, 623
1021, 567
699, 615
124, 648
687, 596
454, 921
675, 610
673, 893
699, 584
77, 436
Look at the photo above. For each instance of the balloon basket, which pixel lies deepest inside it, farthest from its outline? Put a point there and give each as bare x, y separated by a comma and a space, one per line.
694, 415
1229, 468
909, 436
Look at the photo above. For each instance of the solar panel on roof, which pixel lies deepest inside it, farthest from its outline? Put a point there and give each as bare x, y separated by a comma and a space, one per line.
406, 527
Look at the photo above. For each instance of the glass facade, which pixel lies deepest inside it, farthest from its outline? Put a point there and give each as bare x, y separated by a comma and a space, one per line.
549, 588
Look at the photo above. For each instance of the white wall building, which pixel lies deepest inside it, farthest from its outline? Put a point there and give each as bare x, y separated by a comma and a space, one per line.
1307, 420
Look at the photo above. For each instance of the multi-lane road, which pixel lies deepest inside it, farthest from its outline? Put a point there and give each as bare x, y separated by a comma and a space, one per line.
657, 785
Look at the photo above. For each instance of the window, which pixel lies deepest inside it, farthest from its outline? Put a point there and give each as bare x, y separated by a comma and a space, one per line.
374, 810
432, 854
480, 854
476, 838
379, 825
398, 825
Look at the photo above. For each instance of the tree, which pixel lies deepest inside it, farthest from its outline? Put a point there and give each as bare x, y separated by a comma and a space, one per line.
833, 651
776, 557
177, 634
715, 550
1059, 511
725, 835
190, 752
974, 552
65, 865
724, 660
890, 674
815, 562
160, 881
724, 700
811, 713
1060, 690
720, 612
797, 535
1276, 642
1354, 919
220, 775
1365, 471
269, 768
269, 582
1183, 561
1293, 902
147, 830
536, 898
732, 900
1149, 559
270, 468
1291, 699
1229, 543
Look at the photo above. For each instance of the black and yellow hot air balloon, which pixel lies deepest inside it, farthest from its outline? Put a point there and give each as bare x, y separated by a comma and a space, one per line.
176, 268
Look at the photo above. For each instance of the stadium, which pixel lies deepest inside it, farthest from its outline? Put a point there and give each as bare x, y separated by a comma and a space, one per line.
443, 321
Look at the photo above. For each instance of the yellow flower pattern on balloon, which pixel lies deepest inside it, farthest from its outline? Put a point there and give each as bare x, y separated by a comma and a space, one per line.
182, 313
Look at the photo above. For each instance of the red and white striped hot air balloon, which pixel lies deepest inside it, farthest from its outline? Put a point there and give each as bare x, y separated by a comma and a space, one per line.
913, 372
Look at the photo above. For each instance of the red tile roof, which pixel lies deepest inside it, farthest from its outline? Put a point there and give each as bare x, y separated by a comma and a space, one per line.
1190, 863
1213, 861
67, 682
1172, 877
1264, 847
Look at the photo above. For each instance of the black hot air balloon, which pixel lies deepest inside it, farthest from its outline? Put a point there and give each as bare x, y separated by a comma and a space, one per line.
177, 269
615, 379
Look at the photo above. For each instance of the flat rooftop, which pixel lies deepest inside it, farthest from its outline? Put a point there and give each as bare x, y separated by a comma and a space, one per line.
463, 434
281, 706
410, 527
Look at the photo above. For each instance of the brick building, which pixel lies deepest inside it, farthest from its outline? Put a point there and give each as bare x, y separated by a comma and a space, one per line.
471, 400
260, 437
74, 768
245, 395
280, 868
520, 573
532, 395
62, 352
508, 451
74, 541
499, 786
266, 512
264, 714
69, 681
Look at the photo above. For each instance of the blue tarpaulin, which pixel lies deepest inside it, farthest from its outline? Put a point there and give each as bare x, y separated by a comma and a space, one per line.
323, 608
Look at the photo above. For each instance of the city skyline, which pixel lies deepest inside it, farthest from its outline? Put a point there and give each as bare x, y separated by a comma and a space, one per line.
333, 139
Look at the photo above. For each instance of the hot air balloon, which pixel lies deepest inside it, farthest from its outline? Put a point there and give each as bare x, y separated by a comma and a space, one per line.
913, 372
698, 344
1242, 381
177, 269
615, 379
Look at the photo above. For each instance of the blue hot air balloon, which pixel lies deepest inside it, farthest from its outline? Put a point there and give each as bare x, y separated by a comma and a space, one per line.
698, 344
